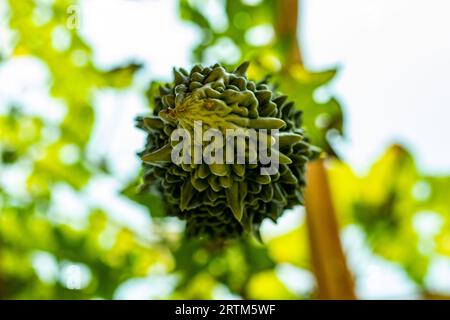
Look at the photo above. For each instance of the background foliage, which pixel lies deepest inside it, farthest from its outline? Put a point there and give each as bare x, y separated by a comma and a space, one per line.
42, 154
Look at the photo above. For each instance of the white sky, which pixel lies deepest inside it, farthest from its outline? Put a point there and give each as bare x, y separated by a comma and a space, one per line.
394, 79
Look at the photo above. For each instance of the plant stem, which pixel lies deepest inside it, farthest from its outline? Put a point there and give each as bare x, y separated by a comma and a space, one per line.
286, 30
334, 280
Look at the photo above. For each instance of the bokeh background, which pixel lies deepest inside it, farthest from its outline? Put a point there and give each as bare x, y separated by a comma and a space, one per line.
371, 77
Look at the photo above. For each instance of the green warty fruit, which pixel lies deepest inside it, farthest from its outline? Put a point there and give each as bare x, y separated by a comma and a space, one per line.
220, 201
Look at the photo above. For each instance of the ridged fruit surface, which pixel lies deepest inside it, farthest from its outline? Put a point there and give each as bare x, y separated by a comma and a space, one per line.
221, 201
